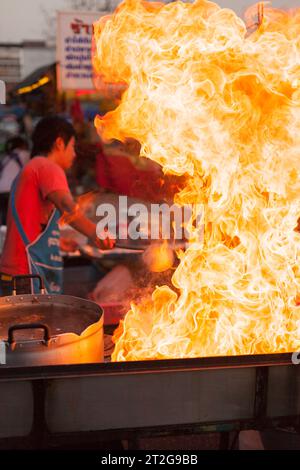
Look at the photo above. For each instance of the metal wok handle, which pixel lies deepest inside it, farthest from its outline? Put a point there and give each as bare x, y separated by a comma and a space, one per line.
28, 276
29, 326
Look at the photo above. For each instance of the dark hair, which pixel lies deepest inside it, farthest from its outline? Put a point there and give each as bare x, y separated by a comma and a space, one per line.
14, 143
47, 131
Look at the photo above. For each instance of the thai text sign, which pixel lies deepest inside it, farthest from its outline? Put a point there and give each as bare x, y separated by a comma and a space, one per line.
74, 54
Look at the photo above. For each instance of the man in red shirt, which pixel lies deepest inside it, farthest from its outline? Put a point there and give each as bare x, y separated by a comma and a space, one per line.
39, 197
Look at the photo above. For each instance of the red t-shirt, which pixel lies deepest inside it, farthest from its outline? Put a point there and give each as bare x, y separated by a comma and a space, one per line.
38, 178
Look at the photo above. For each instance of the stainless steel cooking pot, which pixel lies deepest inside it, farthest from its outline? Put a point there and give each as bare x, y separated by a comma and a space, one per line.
50, 329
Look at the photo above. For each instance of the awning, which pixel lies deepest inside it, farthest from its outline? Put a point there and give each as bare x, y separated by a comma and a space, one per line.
36, 79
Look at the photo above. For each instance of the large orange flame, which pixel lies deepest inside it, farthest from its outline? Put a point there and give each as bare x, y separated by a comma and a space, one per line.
207, 99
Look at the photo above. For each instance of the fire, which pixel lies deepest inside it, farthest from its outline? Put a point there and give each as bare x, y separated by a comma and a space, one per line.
207, 99
83, 204
159, 257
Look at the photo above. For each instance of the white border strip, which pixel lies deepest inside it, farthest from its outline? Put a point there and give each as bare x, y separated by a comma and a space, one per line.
2, 353
2, 92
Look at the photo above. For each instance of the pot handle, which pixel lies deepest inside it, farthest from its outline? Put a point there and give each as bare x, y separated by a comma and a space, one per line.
15, 279
29, 326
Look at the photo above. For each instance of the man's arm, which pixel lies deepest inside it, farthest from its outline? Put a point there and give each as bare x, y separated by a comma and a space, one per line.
65, 203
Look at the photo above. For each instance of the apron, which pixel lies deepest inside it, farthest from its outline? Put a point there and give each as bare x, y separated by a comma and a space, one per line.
43, 254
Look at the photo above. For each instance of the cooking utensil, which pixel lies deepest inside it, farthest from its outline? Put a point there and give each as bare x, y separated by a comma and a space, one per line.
72, 329
94, 252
